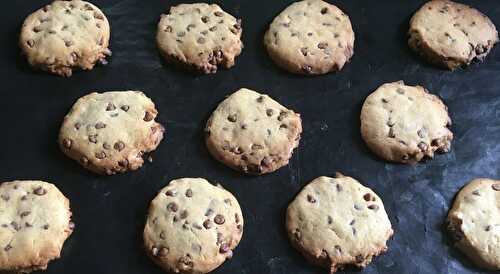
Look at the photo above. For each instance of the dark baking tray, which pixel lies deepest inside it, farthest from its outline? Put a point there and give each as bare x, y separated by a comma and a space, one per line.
109, 212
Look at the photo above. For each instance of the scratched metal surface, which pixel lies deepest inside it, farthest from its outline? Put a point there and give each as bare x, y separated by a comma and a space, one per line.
110, 211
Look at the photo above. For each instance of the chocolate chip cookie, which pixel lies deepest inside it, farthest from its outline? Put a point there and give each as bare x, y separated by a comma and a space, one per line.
450, 34
310, 37
34, 223
65, 35
110, 132
404, 124
474, 222
192, 226
252, 133
199, 37
335, 222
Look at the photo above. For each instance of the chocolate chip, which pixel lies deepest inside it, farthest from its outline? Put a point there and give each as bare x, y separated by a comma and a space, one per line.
148, 116
269, 112
357, 207
100, 125
231, 118
7, 247
106, 145
306, 68
219, 219
171, 193
125, 108
496, 187
201, 40
189, 193
205, 19
100, 155
68, 43
78, 125
218, 14
476, 192
190, 26
209, 212
110, 107
184, 214
30, 43
172, 207
322, 45
123, 163
330, 220
181, 34
214, 28
283, 126
487, 228
15, 226
303, 51
40, 191
25, 213
311, 199
46, 227
373, 207
224, 248
339, 188
5, 197
74, 56
162, 235
119, 145
28, 225
207, 224
159, 251
93, 138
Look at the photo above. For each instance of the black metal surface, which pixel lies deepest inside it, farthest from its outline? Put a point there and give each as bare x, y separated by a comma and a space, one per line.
109, 212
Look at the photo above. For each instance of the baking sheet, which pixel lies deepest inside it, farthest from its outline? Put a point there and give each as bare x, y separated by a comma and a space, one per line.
109, 212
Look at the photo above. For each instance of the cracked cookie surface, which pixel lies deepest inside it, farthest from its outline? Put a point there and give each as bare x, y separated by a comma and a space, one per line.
404, 124
34, 224
474, 224
252, 133
200, 37
192, 226
65, 35
451, 34
310, 37
109, 132
335, 222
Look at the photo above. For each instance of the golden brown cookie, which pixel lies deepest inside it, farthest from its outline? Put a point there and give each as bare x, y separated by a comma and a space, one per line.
65, 35
192, 226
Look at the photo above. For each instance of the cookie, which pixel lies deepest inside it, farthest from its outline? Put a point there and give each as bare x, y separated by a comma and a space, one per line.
252, 133
200, 37
450, 34
404, 124
335, 222
310, 37
110, 132
192, 226
474, 224
34, 223
65, 35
